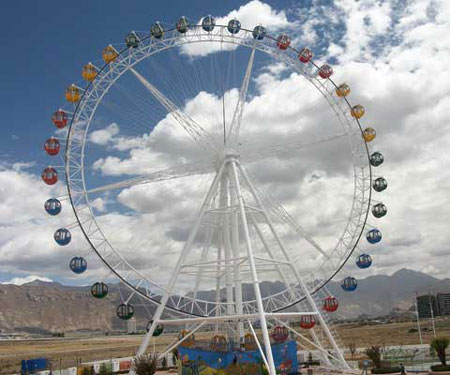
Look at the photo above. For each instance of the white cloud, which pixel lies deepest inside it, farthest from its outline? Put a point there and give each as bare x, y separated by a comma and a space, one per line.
404, 86
104, 136
26, 279
250, 15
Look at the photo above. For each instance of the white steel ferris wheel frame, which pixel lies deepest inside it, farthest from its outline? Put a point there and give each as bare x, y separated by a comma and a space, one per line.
133, 278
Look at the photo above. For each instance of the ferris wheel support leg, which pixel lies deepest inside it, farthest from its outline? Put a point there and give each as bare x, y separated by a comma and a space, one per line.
218, 278
224, 202
236, 254
317, 342
285, 281
181, 259
226, 235
251, 260
258, 344
323, 324
305, 339
298, 277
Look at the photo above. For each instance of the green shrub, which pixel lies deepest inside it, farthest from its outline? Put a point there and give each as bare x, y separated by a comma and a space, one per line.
440, 368
440, 344
386, 370
374, 353
105, 369
145, 364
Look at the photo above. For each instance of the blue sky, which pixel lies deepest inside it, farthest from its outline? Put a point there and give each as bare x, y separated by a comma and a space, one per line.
394, 54
46, 43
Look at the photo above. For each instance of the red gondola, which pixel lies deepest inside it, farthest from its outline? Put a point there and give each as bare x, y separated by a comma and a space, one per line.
307, 321
218, 343
52, 146
60, 118
325, 71
305, 55
280, 334
50, 176
330, 304
250, 342
283, 42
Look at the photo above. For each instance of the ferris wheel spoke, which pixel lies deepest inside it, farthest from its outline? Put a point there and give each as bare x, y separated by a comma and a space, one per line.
283, 214
180, 171
239, 110
288, 219
263, 152
200, 135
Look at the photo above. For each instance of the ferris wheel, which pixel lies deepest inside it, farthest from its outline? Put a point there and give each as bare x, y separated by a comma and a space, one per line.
220, 174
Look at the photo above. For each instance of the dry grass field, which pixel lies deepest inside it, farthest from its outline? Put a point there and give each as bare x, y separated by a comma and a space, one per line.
66, 352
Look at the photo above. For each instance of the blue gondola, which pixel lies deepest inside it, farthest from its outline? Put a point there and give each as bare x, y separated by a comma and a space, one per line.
208, 23
157, 30
259, 33
234, 26
364, 261
78, 265
52, 206
373, 236
349, 284
99, 290
132, 40
182, 25
380, 184
376, 159
62, 236
125, 311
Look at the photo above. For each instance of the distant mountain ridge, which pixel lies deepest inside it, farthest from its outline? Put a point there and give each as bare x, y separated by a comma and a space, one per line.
379, 294
41, 306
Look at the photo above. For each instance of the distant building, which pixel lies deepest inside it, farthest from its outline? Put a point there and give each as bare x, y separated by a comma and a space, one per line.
443, 300
131, 325
426, 304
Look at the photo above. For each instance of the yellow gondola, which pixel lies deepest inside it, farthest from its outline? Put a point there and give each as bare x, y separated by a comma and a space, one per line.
358, 111
89, 72
218, 343
369, 134
343, 90
73, 94
190, 341
109, 53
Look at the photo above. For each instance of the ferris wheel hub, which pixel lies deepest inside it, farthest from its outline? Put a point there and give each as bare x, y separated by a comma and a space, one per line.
231, 153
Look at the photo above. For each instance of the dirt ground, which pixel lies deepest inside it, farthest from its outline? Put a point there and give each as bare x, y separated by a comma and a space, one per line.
68, 352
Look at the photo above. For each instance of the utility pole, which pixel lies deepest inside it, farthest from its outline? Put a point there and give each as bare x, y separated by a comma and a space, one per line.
418, 321
432, 315
418, 328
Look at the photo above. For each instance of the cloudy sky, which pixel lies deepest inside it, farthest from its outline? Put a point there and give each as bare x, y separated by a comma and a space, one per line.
395, 55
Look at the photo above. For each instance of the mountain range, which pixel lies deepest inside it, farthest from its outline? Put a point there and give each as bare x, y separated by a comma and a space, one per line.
48, 307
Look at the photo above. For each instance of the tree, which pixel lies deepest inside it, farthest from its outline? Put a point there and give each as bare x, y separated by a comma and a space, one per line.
145, 364
105, 369
374, 353
440, 344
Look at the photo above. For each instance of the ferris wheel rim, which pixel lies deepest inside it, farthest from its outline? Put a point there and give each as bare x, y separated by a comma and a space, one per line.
236, 41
